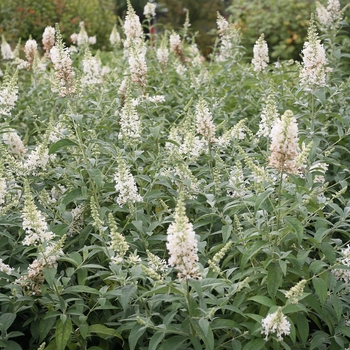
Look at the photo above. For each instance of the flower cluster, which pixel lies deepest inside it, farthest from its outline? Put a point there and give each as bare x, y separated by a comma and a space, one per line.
276, 323
62, 62
92, 70
48, 39
34, 223
150, 10
229, 39
37, 159
176, 46
114, 37
3, 188
14, 142
296, 292
130, 124
5, 268
117, 241
261, 54
82, 37
343, 274
214, 263
125, 184
137, 64
284, 144
163, 56
6, 51
315, 65
268, 116
8, 93
30, 50
205, 125
187, 143
132, 27
182, 244
329, 17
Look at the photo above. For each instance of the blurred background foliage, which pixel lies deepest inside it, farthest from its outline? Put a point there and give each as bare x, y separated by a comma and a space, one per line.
284, 22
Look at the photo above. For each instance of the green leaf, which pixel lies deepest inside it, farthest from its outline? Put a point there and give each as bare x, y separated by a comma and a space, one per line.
262, 198
303, 327
49, 274
103, 332
226, 232
10, 345
135, 335
337, 305
127, 292
97, 177
6, 321
263, 300
60, 144
295, 226
155, 340
318, 339
252, 251
63, 331
344, 330
255, 344
71, 196
207, 333
46, 325
81, 289
173, 343
320, 288
274, 278
221, 323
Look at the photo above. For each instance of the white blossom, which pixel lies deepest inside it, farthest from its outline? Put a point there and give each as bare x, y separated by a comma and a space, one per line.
229, 39
114, 37
34, 223
62, 62
48, 39
314, 68
344, 260
91, 69
37, 159
150, 9
14, 142
137, 64
330, 16
175, 43
8, 94
6, 52
284, 143
3, 188
130, 125
268, 116
182, 245
163, 56
82, 37
132, 27
276, 323
5, 268
125, 184
30, 50
204, 118
261, 55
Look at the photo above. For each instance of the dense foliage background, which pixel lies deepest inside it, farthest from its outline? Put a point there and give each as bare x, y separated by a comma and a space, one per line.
21, 18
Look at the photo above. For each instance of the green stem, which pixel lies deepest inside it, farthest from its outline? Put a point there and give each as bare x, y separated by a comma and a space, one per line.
193, 332
278, 223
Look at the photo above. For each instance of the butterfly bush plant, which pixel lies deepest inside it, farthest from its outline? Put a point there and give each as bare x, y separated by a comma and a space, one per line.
151, 199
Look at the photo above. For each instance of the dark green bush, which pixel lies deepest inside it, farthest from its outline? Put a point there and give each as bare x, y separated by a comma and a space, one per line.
20, 19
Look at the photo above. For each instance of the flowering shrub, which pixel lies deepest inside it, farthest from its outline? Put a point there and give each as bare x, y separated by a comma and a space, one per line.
150, 199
